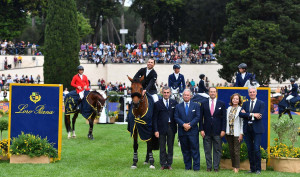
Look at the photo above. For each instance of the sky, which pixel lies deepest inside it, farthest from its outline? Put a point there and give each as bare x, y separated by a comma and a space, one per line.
128, 2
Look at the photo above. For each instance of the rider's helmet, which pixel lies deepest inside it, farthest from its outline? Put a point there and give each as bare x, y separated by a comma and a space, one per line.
176, 66
242, 66
292, 79
80, 67
201, 76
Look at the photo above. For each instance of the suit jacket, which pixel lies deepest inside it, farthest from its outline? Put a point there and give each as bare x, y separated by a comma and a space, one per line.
258, 125
294, 90
192, 117
76, 81
202, 88
240, 82
212, 125
179, 83
161, 116
149, 81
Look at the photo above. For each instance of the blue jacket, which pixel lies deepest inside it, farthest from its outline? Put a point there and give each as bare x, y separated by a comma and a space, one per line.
202, 88
193, 118
212, 125
294, 90
240, 82
174, 84
258, 125
161, 116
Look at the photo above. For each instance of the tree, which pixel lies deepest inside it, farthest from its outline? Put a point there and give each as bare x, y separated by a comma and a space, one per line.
3, 125
84, 27
12, 19
61, 42
265, 36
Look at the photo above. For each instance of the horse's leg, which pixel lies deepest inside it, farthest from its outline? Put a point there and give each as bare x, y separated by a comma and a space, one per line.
91, 123
290, 115
135, 149
149, 152
68, 125
73, 124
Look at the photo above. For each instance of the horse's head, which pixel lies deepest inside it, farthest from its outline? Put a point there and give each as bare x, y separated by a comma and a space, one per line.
98, 101
136, 91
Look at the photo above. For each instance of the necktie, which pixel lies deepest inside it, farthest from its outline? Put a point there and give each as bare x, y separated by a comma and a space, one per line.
186, 108
167, 104
212, 107
251, 107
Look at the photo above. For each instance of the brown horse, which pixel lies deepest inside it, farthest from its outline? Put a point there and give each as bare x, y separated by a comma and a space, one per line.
138, 122
97, 101
277, 100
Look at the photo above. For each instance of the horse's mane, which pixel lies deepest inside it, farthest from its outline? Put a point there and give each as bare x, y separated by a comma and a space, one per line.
136, 80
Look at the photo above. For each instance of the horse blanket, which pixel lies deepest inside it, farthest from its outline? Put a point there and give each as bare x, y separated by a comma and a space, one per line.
86, 108
295, 104
198, 99
143, 124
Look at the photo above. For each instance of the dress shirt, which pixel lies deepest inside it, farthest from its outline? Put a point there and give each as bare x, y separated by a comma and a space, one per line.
215, 101
176, 75
243, 75
148, 71
80, 75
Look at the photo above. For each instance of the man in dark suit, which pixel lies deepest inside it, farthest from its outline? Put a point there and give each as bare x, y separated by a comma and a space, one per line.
187, 116
165, 127
150, 77
242, 76
253, 129
176, 80
213, 128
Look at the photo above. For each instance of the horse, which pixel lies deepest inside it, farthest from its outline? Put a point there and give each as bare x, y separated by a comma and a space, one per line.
176, 95
275, 100
94, 105
140, 120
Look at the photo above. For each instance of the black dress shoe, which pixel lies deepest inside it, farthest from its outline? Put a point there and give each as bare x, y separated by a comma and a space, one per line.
258, 172
208, 170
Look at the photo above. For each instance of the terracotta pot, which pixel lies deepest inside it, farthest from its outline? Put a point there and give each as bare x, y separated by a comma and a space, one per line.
28, 159
244, 165
3, 157
284, 164
112, 120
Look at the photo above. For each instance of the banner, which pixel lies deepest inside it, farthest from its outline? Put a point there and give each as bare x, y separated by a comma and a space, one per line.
36, 109
263, 94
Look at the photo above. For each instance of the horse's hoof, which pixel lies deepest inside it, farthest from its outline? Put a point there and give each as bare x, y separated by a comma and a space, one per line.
152, 167
90, 137
73, 136
133, 167
145, 163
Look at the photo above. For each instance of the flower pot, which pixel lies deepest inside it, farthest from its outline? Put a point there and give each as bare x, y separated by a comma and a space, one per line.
112, 120
95, 121
284, 164
28, 159
244, 165
3, 157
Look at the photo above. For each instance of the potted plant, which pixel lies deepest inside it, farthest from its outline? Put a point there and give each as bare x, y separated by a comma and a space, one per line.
112, 116
283, 157
225, 162
4, 149
28, 148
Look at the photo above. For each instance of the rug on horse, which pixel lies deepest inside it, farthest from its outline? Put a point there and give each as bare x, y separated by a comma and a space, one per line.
295, 104
143, 124
86, 108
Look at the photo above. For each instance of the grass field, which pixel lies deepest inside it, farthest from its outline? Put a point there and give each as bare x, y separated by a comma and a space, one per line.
110, 154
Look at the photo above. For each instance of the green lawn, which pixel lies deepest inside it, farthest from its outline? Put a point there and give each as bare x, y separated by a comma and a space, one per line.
110, 154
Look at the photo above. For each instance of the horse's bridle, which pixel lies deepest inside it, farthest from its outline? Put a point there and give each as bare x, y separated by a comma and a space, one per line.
141, 100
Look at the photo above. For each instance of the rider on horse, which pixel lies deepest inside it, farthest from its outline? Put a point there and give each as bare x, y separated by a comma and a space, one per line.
150, 77
293, 92
242, 76
176, 80
81, 83
202, 90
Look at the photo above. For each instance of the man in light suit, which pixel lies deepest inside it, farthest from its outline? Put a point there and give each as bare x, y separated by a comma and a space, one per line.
165, 127
253, 128
213, 128
187, 116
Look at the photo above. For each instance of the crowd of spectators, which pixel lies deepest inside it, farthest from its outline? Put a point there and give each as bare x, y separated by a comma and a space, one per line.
6, 80
19, 48
177, 52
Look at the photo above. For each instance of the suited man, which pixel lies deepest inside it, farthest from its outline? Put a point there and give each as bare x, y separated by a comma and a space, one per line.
176, 80
187, 116
150, 77
213, 128
253, 128
242, 76
165, 127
